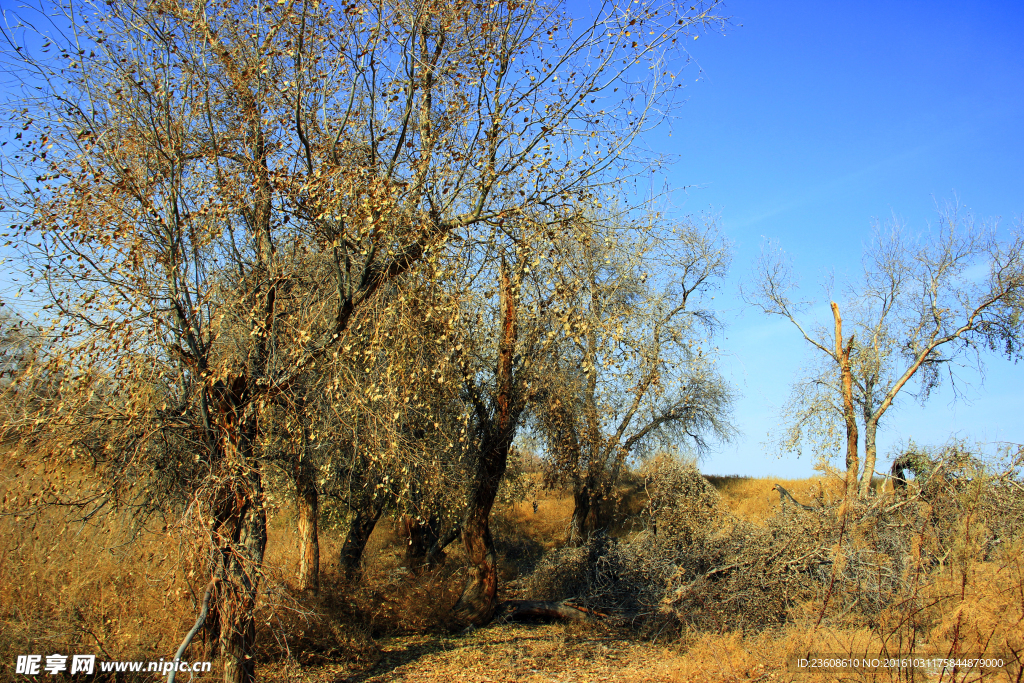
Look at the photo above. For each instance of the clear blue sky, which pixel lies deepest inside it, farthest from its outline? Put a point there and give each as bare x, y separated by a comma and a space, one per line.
811, 118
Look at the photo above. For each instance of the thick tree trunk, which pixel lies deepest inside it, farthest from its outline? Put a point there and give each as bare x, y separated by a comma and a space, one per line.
239, 530
578, 531
242, 541
308, 503
479, 599
870, 452
355, 542
423, 536
846, 377
589, 515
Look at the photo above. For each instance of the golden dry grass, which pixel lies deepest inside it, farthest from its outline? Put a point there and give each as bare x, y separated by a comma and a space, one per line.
753, 500
514, 652
62, 586
549, 526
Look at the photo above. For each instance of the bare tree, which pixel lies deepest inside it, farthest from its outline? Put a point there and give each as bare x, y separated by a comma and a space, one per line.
926, 305
637, 365
921, 305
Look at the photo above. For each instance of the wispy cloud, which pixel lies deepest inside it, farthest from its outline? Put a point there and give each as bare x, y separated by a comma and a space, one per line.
845, 184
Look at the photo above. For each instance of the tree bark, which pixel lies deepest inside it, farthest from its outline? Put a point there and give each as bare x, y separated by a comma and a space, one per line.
870, 452
355, 542
846, 376
589, 514
479, 600
423, 536
241, 543
578, 530
308, 503
239, 530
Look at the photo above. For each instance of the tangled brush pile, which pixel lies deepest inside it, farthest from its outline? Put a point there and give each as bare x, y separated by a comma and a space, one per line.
694, 564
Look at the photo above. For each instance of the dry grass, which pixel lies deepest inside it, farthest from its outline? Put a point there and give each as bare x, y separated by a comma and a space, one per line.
753, 500
549, 524
68, 588
512, 653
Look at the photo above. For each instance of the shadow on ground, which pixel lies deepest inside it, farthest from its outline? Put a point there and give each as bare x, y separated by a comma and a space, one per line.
398, 654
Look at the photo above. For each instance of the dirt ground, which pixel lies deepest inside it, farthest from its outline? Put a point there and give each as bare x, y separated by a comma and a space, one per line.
533, 653
554, 653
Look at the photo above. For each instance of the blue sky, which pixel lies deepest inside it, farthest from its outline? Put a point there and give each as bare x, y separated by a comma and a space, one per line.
810, 119
804, 122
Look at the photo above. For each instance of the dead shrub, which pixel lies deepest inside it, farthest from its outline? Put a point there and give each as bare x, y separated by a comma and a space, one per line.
691, 563
683, 508
896, 564
749, 576
315, 629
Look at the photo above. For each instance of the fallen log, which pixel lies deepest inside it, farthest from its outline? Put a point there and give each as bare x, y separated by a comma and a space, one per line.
519, 610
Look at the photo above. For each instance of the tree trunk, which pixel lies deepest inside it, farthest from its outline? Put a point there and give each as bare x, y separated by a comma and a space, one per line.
239, 531
242, 540
308, 503
578, 531
358, 534
541, 609
479, 599
589, 515
587, 494
423, 536
436, 556
846, 376
870, 451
